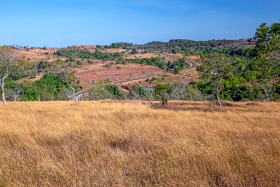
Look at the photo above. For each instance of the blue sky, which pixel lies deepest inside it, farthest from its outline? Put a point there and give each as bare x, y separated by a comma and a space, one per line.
58, 23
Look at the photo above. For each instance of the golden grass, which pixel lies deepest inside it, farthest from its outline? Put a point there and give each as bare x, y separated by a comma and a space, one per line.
135, 144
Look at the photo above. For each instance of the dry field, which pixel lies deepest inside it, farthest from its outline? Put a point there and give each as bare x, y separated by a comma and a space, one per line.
90, 48
167, 56
96, 72
144, 55
113, 50
37, 55
139, 144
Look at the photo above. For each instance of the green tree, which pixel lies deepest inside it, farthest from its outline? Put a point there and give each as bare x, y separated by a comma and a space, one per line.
162, 91
266, 58
216, 67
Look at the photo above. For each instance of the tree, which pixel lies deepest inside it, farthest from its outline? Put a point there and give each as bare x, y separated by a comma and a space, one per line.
266, 58
134, 51
162, 91
69, 78
65, 75
179, 66
8, 65
216, 67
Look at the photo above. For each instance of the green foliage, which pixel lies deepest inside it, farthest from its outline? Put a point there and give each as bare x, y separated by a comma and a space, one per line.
162, 91
133, 51
84, 54
216, 69
189, 47
252, 75
105, 91
105, 82
177, 66
266, 54
114, 90
43, 65
123, 45
49, 87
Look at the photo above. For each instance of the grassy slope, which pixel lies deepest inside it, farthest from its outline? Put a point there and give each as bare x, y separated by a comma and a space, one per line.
132, 144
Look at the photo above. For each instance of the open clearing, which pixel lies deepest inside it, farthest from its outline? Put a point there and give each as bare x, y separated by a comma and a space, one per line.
126, 143
37, 55
90, 73
166, 56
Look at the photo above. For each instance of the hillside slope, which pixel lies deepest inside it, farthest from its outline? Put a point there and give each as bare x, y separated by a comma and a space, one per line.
134, 144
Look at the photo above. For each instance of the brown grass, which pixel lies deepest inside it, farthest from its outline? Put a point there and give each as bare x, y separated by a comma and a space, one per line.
37, 55
135, 144
167, 56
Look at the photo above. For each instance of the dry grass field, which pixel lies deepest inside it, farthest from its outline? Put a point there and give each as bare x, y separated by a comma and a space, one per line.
37, 55
166, 56
125, 143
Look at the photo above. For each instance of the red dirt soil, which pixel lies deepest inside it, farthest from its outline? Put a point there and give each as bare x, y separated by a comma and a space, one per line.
96, 73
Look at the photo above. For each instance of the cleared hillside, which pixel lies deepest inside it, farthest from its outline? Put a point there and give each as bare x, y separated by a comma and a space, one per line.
134, 144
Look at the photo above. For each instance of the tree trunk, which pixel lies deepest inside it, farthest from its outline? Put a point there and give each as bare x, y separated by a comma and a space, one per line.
77, 102
218, 91
218, 100
3, 91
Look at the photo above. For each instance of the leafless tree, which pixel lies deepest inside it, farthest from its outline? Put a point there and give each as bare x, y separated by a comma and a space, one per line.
69, 78
13, 94
8, 64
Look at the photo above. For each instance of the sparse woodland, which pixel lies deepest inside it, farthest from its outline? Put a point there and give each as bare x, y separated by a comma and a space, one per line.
249, 72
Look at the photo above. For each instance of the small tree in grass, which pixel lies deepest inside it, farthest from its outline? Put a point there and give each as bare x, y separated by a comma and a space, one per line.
162, 91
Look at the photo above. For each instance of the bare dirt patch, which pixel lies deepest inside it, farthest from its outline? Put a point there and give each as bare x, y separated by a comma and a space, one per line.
37, 55
115, 50
117, 73
140, 55
36, 78
166, 56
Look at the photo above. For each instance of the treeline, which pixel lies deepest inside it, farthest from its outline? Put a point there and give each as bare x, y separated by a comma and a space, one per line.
123, 45
162, 92
176, 66
252, 77
182, 43
189, 47
71, 54
241, 51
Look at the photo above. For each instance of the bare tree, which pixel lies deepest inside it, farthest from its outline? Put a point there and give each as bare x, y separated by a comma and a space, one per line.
69, 78
13, 94
8, 64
